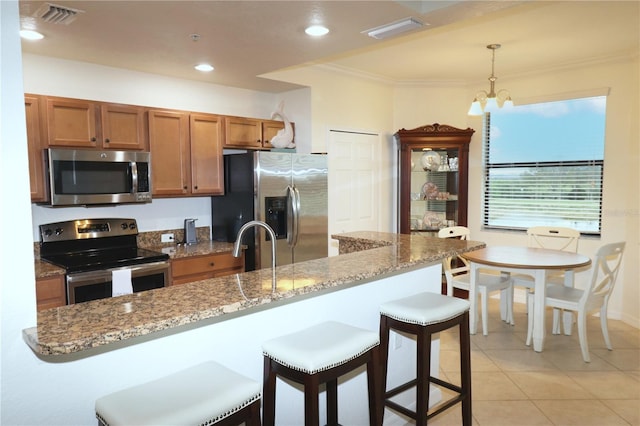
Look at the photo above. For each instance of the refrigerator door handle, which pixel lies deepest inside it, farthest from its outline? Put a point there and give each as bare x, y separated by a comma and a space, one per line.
296, 216
293, 215
290, 202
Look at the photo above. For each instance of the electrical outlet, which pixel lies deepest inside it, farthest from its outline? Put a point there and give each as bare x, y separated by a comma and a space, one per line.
166, 238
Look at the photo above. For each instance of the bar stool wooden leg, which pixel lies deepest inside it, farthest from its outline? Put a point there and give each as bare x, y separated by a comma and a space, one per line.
269, 394
465, 369
311, 404
332, 402
423, 374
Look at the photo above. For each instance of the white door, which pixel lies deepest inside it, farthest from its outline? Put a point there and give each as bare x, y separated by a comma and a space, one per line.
354, 174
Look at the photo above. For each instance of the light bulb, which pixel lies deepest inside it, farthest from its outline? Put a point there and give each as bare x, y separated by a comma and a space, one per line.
492, 105
476, 108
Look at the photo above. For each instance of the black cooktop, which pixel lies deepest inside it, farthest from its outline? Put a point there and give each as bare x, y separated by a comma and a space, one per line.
104, 259
94, 244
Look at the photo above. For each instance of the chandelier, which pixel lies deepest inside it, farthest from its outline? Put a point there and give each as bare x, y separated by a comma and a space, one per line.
491, 101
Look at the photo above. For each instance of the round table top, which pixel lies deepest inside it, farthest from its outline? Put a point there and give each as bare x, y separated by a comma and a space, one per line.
527, 258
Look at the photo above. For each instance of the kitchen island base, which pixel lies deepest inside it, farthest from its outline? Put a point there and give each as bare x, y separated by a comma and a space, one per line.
236, 343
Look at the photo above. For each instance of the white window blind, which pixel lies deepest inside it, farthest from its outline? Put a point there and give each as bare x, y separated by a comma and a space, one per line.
543, 165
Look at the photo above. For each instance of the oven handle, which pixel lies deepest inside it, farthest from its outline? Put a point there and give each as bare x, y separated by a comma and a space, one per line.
104, 275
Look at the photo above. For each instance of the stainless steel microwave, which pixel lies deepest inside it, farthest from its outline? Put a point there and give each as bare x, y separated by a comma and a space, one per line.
85, 177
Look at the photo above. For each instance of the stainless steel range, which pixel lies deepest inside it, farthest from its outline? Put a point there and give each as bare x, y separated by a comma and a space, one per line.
93, 251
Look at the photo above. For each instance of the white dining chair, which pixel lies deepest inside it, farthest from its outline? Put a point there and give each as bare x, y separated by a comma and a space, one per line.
549, 237
459, 277
604, 271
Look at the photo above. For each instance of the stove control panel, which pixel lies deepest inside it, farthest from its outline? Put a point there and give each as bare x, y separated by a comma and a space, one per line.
87, 228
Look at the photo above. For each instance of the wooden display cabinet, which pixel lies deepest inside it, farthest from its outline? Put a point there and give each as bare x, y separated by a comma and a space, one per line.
433, 177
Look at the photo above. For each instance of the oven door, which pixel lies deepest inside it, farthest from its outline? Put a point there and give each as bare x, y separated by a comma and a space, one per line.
92, 285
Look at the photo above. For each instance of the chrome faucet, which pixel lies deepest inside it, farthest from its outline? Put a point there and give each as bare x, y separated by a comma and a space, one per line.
238, 244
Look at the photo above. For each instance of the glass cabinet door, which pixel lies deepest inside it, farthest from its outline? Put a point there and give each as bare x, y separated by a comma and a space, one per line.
434, 189
433, 180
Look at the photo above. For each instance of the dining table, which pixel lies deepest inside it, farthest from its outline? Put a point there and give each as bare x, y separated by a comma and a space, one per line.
533, 261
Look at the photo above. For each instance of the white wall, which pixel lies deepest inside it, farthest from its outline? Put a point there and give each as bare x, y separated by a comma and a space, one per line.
17, 278
345, 102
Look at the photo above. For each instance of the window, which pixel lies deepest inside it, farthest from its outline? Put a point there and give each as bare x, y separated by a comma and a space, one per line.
543, 165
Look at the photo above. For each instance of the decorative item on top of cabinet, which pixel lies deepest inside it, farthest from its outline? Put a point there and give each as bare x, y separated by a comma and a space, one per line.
433, 177
250, 133
50, 292
284, 137
91, 124
186, 153
37, 181
195, 268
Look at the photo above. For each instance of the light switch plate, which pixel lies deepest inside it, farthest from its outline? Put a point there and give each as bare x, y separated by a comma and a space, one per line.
166, 238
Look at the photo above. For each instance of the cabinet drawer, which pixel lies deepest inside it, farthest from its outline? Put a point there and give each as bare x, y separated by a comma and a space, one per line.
203, 267
50, 292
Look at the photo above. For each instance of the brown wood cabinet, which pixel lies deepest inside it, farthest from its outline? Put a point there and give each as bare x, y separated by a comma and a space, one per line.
197, 268
186, 153
50, 292
37, 168
207, 169
433, 177
80, 123
250, 133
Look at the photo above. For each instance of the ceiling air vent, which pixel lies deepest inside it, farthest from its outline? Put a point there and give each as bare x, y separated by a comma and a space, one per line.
56, 14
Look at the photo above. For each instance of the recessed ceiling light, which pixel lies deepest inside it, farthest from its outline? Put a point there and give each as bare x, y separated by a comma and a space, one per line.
317, 30
31, 35
204, 67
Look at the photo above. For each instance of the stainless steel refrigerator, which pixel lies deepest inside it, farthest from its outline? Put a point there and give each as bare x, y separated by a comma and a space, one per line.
287, 191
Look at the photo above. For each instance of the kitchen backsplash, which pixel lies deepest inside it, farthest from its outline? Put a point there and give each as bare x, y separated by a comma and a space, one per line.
153, 238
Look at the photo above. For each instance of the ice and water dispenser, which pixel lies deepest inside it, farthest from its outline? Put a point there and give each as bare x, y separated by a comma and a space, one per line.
276, 216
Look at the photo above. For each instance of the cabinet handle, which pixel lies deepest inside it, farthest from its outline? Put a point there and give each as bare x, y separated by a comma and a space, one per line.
212, 264
93, 139
195, 187
106, 140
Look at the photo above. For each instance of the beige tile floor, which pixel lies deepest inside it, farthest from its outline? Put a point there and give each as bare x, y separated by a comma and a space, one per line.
513, 385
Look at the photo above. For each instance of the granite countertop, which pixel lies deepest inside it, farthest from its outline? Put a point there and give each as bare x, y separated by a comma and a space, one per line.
75, 328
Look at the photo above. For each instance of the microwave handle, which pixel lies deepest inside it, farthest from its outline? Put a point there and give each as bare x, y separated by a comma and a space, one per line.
134, 177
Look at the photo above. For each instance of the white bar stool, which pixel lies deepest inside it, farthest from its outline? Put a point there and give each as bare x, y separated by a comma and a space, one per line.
316, 355
205, 394
422, 315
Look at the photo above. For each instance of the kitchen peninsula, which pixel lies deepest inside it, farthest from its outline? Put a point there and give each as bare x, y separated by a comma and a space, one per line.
227, 318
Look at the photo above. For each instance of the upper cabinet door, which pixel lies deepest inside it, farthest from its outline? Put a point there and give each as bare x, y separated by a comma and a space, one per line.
242, 133
71, 123
270, 128
169, 143
37, 181
206, 154
123, 127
